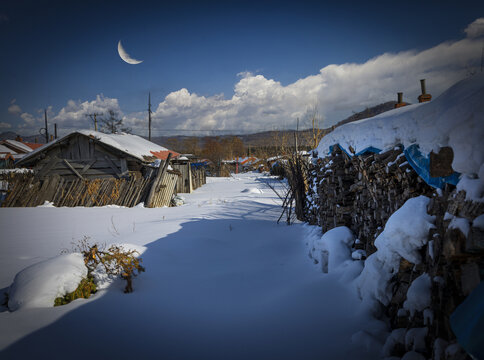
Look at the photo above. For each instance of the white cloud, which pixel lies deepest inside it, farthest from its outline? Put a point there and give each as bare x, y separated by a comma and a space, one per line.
14, 108
475, 29
4, 125
74, 115
259, 103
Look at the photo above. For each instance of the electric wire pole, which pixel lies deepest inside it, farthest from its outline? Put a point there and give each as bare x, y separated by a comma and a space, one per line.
149, 116
93, 118
46, 128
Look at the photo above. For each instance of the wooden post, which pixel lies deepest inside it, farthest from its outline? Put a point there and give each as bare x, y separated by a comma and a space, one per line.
46, 128
94, 119
72, 169
295, 134
149, 116
158, 178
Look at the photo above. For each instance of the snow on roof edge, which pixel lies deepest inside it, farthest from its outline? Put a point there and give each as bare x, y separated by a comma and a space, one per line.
132, 145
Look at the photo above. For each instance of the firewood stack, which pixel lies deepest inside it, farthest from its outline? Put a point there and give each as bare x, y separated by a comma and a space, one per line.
361, 192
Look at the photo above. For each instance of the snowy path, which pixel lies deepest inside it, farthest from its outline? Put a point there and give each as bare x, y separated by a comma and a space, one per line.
223, 281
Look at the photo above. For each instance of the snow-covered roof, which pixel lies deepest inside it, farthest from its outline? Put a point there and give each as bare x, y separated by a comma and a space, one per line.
17, 145
455, 119
4, 149
132, 145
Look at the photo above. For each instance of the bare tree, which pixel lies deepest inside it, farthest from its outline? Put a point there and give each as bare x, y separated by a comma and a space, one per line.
113, 124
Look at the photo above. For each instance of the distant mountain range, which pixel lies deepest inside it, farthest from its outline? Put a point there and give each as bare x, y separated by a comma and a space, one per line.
267, 137
10, 135
257, 139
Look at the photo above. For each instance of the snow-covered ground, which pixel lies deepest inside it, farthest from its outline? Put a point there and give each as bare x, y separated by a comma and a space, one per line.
222, 281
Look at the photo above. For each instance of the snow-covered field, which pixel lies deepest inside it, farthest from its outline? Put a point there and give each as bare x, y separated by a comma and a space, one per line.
222, 281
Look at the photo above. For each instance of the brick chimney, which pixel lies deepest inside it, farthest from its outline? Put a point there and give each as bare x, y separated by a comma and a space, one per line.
424, 97
400, 102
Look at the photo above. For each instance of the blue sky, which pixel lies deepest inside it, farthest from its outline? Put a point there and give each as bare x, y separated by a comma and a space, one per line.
248, 65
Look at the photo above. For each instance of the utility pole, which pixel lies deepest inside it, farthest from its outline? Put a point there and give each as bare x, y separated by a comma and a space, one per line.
149, 116
295, 134
46, 128
55, 131
93, 118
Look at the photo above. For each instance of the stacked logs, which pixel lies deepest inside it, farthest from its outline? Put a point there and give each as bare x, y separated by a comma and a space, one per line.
361, 192
454, 259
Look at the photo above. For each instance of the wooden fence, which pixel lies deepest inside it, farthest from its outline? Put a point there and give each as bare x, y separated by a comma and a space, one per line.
190, 178
199, 177
28, 191
184, 183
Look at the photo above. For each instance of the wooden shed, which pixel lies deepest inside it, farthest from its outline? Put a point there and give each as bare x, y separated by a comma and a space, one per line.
89, 168
89, 154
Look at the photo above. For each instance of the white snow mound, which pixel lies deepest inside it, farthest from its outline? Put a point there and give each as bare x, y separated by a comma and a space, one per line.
418, 294
40, 284
405, 232
252, 190
333, 248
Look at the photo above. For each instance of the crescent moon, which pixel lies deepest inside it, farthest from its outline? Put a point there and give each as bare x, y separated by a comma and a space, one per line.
125, 56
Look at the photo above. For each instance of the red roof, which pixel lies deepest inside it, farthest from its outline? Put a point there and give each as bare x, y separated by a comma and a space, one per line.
33, 146
163, 155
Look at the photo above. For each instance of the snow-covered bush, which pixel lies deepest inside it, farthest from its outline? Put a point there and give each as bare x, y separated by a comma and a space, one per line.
64, 278
40, 284
113, 262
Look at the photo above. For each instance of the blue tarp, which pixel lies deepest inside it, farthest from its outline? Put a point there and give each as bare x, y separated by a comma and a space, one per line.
467, 322
198, 165
419, 162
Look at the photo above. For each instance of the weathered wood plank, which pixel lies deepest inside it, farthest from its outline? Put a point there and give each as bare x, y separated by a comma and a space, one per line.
73, 170
157, 181
113, 166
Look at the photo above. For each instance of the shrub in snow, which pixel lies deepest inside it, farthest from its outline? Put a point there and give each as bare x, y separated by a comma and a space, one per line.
405, 233
418, 294
40, 284
114, 261
84, 290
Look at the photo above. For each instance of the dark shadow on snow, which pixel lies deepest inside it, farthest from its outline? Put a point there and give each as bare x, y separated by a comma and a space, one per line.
215, 289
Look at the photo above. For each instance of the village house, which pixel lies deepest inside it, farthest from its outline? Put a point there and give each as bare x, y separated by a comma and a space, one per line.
87, 154
14, 150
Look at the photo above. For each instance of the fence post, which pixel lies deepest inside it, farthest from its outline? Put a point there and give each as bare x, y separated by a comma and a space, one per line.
158, 178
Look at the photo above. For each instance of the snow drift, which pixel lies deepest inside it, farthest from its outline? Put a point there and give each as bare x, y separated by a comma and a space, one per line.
40, 284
